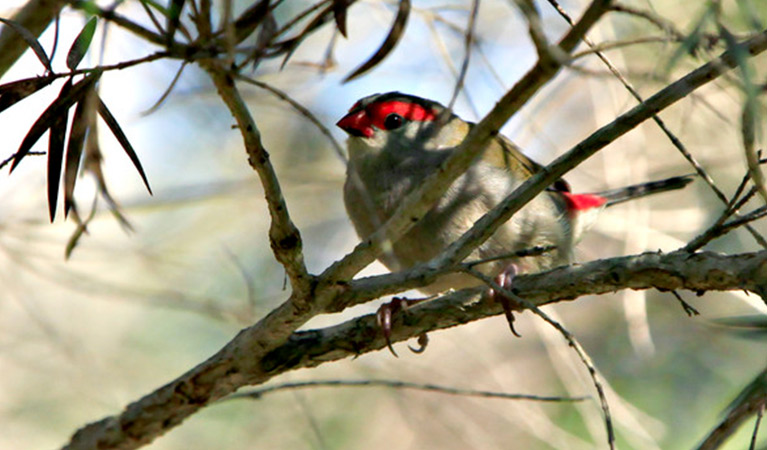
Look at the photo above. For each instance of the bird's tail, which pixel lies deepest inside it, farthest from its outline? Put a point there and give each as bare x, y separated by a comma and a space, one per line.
620, 195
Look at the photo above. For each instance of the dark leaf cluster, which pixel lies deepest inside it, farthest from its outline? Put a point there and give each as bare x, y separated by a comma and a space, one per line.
72, 144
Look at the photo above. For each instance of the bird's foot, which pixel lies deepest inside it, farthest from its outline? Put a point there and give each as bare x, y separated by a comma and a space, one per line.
505, 280
384, 319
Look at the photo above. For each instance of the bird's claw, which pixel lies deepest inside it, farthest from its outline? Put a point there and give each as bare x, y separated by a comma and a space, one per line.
423, 341
384, 320
505, 280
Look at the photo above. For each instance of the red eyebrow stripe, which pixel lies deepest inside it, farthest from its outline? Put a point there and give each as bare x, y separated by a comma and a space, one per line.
410, 111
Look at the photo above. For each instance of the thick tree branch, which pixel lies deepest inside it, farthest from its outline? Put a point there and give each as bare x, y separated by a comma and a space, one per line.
698, 272
248, 359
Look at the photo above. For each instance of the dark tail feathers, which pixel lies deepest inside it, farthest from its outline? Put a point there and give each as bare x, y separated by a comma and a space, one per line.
620, 195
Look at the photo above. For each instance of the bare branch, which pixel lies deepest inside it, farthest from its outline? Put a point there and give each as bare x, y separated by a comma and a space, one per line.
120, 20
750, 401
284, 236
395, 384
263, 351
468, 41
302, 110
571, 341
699, 272
487, 225
675, 141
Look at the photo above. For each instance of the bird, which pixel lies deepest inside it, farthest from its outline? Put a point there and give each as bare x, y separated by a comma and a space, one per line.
396, 140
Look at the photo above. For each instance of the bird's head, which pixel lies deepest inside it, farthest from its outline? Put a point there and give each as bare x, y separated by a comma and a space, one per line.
399, 123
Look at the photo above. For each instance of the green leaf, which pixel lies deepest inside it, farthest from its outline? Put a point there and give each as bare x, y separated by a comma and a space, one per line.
690, 44
81, 44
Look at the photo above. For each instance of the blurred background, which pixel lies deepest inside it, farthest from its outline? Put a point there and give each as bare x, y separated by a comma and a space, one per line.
130, 311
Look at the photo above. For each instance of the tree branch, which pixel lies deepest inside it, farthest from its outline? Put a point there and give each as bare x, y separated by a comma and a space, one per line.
284, 237
247, 359
698, 272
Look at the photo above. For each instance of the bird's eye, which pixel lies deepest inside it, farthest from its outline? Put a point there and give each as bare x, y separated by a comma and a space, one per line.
393, 121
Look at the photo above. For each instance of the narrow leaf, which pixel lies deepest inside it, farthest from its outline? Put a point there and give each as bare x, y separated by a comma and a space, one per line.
16, 91
174, 18
250, 19
266, 33
66, 99
82, 227
80, 123
92, 162
167, 92
32, 41
55, 157
691, 42
339, 14
289, 46
81, 44
75, 239
396, 32
123, 140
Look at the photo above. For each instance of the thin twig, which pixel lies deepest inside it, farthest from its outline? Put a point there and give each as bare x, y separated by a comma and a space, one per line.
122, 21
7, 160
688, 308
675, 141
284, 236
757, 423
395, 384
167, 91
716, 230
153, 18
301, 110
488, 224
571, 340
751, 400
613, 45
527, 252
467, 43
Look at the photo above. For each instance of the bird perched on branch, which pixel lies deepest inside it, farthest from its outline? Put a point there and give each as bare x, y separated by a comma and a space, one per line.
396, 140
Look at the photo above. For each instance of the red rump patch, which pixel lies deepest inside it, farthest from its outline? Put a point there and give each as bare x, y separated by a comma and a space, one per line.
582, 202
